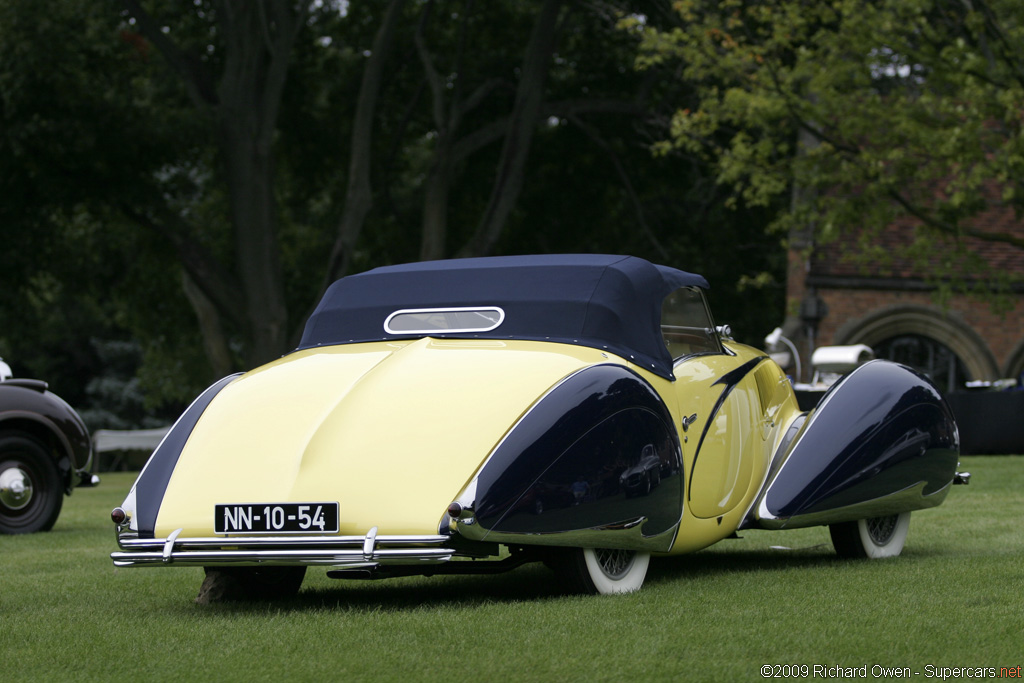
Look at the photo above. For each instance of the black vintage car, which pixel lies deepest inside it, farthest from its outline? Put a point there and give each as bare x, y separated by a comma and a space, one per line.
45, 451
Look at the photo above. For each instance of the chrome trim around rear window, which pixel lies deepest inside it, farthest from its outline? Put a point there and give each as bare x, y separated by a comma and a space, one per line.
444, 320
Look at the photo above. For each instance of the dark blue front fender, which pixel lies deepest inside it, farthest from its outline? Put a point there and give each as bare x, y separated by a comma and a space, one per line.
882, 441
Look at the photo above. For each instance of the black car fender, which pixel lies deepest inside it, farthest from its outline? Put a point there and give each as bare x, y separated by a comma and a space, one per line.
27, 406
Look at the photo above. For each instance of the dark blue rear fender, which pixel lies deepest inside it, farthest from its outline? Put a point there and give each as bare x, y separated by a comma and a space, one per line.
882, 441
595, 462
152, 482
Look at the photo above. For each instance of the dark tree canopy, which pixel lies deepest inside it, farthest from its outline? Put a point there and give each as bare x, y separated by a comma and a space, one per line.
191, 176
862, 111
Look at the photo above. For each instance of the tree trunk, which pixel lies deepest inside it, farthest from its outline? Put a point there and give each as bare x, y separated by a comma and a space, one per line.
259, 38
215, 341
508, 181
435, 204
254, 217
359, 192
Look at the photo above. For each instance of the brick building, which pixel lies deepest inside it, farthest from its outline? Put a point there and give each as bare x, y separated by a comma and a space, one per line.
838, 294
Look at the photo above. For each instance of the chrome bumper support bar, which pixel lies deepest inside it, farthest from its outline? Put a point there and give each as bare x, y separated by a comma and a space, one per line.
329, 551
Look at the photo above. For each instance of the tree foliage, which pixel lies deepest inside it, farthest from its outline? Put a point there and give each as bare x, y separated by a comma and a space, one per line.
864, 110
191, 176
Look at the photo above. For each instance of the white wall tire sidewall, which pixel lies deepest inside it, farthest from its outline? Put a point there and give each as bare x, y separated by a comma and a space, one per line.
893, 546
631, 581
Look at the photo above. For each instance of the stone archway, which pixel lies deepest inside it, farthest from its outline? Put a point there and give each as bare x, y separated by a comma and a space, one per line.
1015, 365
894, 321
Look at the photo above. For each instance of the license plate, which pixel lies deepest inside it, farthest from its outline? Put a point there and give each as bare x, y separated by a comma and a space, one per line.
276, 518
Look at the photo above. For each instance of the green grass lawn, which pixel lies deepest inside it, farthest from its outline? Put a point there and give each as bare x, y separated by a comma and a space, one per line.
955, 598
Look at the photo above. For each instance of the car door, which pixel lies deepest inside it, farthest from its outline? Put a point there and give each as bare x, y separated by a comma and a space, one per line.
721, 428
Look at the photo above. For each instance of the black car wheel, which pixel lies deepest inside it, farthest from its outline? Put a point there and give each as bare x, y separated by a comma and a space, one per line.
250, 583
874, 538
31, 493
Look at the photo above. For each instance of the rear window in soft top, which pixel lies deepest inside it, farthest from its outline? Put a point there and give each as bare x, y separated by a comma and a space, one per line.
460, 320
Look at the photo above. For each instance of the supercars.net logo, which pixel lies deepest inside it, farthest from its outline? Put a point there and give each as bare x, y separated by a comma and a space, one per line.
877, 671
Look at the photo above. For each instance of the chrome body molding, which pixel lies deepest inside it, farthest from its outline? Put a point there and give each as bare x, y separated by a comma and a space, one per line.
328, 551
793, 431
911, 498
626, 535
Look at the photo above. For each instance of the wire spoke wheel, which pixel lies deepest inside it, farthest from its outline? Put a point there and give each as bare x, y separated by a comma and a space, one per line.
614, 563
881, 529
874, 538
602, 570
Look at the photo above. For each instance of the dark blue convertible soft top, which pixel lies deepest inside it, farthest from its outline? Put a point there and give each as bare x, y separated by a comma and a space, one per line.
605, 302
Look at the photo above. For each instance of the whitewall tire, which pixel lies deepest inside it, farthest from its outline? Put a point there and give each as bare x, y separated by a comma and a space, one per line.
615, 571
873, 538
600, 571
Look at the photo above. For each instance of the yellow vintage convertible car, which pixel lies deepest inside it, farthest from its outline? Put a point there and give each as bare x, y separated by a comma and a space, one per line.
469, 416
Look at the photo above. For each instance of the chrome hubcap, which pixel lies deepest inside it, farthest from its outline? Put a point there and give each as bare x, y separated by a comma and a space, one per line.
15, 488
615, 563
881, 529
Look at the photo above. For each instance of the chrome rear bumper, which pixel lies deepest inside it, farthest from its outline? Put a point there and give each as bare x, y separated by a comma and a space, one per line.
327, 551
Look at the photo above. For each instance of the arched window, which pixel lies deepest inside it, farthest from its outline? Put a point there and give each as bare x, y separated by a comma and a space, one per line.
936, 342
927, 356
1015, 366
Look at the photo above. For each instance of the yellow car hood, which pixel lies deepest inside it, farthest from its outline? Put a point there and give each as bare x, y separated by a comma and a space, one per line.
392, 431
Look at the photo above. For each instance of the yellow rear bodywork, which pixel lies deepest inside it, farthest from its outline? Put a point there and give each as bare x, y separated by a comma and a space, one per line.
392, 431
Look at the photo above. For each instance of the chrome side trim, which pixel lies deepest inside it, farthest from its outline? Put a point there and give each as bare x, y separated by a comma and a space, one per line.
790, 436
332, 551
627, 535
